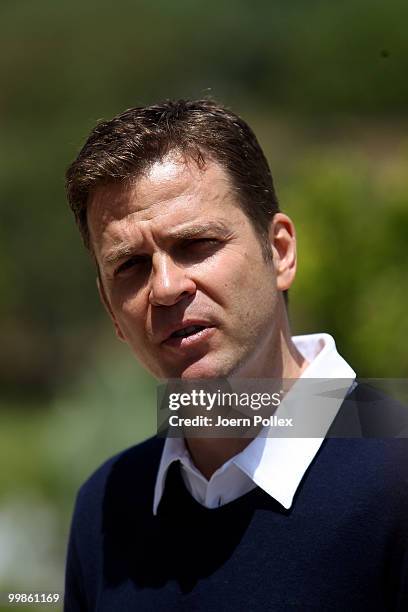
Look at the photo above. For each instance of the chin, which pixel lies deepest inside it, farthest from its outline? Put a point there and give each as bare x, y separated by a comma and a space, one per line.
205, 368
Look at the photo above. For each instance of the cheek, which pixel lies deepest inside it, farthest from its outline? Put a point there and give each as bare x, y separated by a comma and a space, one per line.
241, 279
131, 316
225, 276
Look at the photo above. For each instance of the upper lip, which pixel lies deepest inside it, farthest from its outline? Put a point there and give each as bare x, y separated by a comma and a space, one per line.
177, 326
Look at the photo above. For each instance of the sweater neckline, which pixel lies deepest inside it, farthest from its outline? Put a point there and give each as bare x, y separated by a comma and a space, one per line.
175, 488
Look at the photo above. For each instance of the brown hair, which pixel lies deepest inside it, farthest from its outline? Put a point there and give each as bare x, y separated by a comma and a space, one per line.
122, 148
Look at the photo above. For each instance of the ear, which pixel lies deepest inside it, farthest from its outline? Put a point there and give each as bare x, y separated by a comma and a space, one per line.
283, 241
108, 308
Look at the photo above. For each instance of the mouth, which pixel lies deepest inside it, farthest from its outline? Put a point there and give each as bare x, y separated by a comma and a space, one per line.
187, 331
189, 335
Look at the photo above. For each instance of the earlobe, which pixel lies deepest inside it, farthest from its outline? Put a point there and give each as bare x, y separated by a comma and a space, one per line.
107, 306
283, 241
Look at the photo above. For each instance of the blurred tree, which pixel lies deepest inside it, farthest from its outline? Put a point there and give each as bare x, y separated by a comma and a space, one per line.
64, 65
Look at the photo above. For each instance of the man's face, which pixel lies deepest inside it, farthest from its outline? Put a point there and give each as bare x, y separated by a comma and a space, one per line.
183, 276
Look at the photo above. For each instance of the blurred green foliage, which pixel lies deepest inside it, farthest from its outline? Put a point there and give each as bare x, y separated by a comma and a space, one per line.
66, 64
324, 86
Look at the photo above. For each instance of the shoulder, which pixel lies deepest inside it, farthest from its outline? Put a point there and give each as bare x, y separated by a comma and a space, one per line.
366, 450
368, 412
129, 475
108, 505
369, 467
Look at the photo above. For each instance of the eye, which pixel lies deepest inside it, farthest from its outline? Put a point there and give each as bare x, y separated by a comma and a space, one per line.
201, 242
197, 249
138, 261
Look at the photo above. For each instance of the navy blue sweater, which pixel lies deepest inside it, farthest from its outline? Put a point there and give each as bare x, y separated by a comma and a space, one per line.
342, 546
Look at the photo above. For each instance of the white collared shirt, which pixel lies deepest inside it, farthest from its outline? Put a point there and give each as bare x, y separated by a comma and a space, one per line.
275, 464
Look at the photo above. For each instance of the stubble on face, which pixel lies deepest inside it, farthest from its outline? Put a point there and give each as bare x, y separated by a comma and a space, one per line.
161, 217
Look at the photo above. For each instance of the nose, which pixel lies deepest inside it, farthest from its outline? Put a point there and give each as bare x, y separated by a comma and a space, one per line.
169, 282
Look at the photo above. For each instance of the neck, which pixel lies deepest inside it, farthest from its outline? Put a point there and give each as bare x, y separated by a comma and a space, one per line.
209, 454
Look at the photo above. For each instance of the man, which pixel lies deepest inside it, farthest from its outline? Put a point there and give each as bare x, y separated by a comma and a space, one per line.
194, 258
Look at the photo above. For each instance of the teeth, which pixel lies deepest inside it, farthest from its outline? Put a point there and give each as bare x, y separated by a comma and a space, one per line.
187, 331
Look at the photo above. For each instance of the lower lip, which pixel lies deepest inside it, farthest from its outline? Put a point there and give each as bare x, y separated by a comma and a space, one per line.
190, 341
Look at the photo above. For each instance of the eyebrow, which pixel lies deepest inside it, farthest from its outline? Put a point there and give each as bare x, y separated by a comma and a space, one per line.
190, 231
124, 250
183, 233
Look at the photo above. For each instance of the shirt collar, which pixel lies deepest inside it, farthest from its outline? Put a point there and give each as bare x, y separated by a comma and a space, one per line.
277, 465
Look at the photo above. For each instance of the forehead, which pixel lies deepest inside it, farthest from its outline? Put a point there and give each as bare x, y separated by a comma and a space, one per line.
173, 191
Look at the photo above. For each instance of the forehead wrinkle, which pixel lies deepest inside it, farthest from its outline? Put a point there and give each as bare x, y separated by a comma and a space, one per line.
155, 187
124, 242
118, 209
106, 204
124, 249
174, 178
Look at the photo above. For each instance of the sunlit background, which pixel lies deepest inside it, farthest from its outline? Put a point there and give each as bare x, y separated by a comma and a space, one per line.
324, 85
